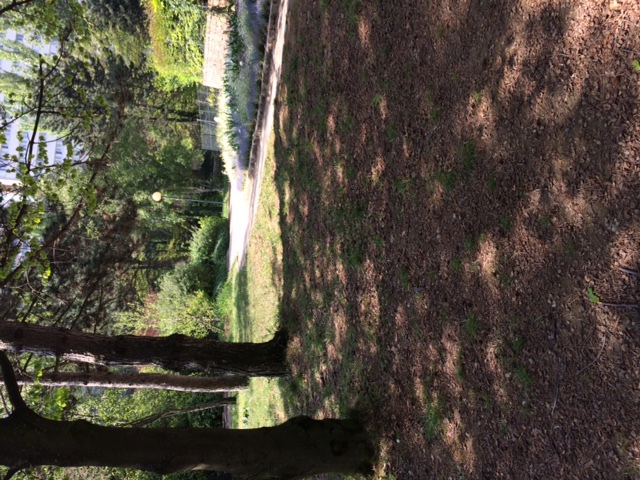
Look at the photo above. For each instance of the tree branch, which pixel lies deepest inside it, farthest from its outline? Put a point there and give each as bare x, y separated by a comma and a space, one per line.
11, 472
9, 378
143, 422
13, 6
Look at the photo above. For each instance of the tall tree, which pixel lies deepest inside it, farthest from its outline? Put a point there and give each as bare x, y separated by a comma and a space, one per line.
175, 352
298, 448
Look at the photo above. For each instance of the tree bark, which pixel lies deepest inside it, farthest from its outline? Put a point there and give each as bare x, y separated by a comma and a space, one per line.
175, 352
298, 448
151, 381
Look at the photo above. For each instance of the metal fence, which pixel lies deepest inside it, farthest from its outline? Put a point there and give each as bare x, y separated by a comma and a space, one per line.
208, 111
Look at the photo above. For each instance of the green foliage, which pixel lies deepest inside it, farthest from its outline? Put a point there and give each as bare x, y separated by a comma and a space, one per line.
593, 298
176, 29
635, 64
154, 155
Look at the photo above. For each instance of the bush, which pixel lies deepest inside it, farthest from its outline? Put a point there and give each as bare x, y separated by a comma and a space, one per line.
176, 28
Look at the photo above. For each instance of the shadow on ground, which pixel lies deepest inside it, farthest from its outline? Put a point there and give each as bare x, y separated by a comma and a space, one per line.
458, 182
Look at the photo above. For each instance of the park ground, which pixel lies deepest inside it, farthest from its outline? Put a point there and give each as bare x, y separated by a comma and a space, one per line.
452, 190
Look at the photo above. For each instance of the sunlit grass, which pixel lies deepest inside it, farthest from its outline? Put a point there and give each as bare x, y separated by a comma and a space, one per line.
255, 316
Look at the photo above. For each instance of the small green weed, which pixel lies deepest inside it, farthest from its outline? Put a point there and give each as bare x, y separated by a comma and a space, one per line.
636, 65
468, 155
378, 242
403, 185
477, 97
354, 256
456, 265
486, 401
570, 249
505, 224
471, 327
492, 183
544, 222
377, 100
434, 116
433, 419
460, 365
593, 298
523, 376
446, 179
518, 345
404, 278
351, 9
391, 132
470, 244
440, 33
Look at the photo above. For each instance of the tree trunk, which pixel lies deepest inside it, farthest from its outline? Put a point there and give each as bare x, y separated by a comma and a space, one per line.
175, 352
298, 448
151, 381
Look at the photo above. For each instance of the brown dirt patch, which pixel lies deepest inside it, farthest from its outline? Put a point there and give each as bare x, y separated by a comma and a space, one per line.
454, 177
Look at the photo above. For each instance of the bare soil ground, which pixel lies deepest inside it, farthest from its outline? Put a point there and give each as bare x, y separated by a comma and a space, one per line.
459, 180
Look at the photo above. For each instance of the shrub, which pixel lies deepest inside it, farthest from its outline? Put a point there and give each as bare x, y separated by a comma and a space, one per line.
176, 29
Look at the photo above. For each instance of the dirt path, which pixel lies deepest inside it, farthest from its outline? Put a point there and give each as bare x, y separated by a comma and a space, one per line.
459, 185
245, 191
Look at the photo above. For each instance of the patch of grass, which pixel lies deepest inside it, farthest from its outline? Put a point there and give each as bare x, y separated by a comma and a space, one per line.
391, 132
470, 244
471, 327
377, 241
433, 419
354, 256
434, 116
544, 222
570, 249
460, 365
505, 224
523, 376
351, 10
492, 183
456, 265
467, 156
404, 278
506, 280
403, 185
518, 345
447, 179
486, 401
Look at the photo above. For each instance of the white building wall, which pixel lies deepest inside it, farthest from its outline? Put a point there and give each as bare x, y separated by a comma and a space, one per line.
56, 151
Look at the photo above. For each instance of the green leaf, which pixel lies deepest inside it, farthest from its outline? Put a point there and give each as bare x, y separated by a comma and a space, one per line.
636, 65
593, 298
